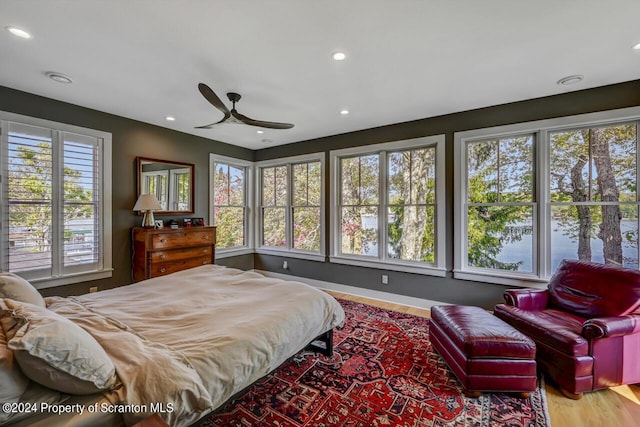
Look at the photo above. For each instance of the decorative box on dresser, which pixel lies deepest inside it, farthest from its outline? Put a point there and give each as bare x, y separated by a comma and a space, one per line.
157, 252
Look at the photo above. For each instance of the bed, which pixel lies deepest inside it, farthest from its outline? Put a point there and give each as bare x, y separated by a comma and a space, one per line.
181, 345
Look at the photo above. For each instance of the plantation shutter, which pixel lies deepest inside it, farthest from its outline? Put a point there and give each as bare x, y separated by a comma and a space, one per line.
51, 199
29, 199
81, 204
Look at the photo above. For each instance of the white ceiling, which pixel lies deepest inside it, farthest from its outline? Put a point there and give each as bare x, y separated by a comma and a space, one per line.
407, 59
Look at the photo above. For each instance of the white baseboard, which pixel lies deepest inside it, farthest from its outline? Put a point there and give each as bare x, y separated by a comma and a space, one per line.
353, 290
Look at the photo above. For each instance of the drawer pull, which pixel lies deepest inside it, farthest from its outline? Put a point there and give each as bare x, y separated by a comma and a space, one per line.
206, 237
204, 263
163, 240
162, 270
163, 256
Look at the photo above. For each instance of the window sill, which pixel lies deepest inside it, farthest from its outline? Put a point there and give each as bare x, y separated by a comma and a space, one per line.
291, 254
520, 280
394, 266
228, 253
70, 279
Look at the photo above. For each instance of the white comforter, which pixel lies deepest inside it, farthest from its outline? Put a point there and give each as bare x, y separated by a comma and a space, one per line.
196, 337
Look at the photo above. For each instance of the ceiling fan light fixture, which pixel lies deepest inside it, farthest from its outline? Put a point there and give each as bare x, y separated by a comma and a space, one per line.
58, 77
570, 80
19, 32
339, 56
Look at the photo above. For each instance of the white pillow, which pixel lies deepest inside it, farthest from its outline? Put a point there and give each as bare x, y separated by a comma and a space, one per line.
16, 288
55, 352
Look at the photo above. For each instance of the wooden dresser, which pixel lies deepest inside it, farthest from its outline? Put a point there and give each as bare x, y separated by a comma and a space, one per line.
157, 252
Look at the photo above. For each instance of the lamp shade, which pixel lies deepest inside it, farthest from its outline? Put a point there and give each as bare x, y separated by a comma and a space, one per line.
147, 202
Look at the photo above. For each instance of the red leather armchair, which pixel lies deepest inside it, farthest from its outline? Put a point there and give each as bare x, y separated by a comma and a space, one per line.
586, 325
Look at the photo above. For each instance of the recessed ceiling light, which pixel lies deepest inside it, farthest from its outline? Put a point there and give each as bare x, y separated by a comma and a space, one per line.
636, 46
19, 32
170, 119
344, 112
339, 56
58, 77
569, 80
259, 131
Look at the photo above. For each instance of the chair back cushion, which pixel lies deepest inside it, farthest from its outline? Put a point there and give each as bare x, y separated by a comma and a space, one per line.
595, 290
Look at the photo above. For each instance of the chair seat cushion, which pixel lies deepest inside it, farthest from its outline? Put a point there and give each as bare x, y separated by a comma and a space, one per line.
557, 329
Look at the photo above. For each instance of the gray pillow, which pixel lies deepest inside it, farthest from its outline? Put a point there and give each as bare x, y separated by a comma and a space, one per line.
16, 288
55, 352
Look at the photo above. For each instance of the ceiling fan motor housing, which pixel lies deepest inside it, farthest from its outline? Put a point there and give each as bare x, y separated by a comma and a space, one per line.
233, 97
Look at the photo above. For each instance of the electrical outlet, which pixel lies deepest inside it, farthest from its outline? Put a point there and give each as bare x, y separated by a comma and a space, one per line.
285, 265
93, 289
385, 279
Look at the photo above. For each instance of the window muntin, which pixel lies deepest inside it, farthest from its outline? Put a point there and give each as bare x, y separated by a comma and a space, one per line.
500, 204
359, 207
291, 205
274, 206
387, 203
411, 196
306, 206
593, 194
584, 185
54, 199
229, 204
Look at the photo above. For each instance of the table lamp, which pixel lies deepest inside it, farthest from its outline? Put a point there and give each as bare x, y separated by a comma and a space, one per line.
147, 203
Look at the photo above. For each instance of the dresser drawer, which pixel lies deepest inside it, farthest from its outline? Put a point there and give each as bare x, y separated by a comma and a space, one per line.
185, 238
179, 254
163, 268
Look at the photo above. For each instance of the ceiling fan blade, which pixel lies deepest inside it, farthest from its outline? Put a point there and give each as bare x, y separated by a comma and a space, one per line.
213, 99
226, 116
271, 125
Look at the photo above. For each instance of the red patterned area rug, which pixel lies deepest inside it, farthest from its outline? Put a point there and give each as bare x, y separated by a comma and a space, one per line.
383, 372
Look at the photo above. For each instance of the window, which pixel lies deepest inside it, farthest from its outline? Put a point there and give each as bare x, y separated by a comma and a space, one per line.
388, 205
229, 206
56, 208
536, 193
291, 206
155, 182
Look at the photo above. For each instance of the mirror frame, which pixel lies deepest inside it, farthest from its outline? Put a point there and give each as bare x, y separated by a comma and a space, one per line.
190, 166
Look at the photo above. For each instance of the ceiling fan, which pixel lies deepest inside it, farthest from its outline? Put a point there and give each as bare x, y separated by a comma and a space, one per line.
233, 116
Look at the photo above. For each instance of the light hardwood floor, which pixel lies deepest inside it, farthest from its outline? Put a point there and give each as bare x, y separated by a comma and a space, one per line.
617, 406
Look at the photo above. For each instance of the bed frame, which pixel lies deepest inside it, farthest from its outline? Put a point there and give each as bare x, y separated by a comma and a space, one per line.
323, 344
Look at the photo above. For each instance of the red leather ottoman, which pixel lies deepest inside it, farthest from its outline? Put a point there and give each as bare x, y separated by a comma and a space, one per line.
484, 352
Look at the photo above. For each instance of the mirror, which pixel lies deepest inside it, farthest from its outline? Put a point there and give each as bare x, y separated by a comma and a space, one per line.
171, 182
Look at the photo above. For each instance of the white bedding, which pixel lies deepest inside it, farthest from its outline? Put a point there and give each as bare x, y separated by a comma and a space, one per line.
194, 338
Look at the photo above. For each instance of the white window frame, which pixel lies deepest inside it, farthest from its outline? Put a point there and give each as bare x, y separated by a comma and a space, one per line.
173, 188
382, 261
154, 175
104, 267
248, 247
542, 241
289, 250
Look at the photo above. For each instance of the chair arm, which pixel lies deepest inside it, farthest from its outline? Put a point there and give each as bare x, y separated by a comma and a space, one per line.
527, 299
603, 327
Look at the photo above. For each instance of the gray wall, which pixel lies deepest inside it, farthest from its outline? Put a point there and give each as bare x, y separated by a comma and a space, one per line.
132, 138
445, 289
